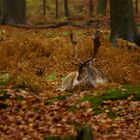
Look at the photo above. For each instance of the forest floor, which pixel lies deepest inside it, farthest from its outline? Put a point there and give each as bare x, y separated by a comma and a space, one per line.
33, 64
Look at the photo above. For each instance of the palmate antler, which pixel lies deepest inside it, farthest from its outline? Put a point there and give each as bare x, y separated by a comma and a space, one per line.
97, 43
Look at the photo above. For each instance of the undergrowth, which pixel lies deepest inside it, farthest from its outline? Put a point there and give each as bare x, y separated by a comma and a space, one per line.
38, 61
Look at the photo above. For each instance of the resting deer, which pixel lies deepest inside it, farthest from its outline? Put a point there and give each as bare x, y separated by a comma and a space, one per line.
87, 73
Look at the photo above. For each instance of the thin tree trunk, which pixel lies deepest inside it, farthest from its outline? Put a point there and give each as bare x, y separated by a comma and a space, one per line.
56, 9
101, 7
136, 7
91, 8
0, 9
44, 7
122, 22
13, 12
21, 10
66, 8
105, 6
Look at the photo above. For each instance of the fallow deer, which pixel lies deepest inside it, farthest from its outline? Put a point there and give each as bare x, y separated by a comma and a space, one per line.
87, 74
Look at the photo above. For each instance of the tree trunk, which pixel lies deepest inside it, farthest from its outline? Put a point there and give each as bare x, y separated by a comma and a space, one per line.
122, 22
44, 7
91, 8
56, 9
136, 7
101, 7
84, 133
0, 9
66, 8
13, 12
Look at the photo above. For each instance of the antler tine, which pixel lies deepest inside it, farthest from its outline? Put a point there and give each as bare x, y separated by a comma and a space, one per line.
96, 40
74, 43
73, 40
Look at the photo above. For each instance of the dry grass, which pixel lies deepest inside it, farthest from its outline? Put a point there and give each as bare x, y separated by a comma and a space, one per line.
38, 62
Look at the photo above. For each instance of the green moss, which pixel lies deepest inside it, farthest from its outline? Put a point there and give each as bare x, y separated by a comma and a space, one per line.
60, 98
54, 99
36, 110
3, 106
52, 76
63, 77
53, 34
112, 94
4, 79
72, 108
52, 138
4, 95
112, 114
115, 94
19, 98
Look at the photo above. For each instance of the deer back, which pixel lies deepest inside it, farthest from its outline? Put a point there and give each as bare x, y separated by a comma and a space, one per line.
90, 75
95, 75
